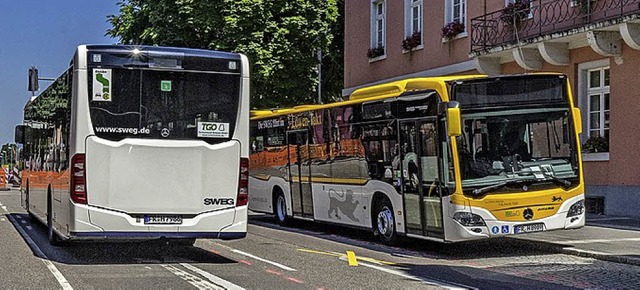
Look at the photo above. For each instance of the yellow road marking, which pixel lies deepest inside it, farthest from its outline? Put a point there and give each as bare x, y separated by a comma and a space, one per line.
334, 254
352, 258
320, 252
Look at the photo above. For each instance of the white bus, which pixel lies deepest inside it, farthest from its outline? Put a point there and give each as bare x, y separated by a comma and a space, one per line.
140, 142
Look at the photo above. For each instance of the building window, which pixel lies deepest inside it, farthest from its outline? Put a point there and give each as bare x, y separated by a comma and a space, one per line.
413, 16
378, 15
456, 11
594, 94
598, 103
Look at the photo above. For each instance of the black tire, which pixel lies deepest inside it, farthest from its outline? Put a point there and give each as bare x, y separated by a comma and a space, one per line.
384, 223
53, 238
280, 209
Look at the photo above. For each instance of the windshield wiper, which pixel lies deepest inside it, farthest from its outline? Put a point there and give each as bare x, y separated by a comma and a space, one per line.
562, 181
480, 191
548, 176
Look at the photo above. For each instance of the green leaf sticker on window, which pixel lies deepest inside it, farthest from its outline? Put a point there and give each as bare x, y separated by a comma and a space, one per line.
165, 86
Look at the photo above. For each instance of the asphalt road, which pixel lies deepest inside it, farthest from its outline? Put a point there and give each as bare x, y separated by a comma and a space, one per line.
302, 256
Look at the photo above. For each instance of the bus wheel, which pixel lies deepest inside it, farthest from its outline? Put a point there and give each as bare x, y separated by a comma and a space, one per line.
385, 223
280, 209
54, 240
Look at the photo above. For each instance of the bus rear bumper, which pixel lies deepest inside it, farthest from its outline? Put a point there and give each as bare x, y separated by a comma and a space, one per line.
156, 235
227, 224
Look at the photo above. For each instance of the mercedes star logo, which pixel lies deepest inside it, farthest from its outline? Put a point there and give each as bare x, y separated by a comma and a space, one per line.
527, 214
165, 132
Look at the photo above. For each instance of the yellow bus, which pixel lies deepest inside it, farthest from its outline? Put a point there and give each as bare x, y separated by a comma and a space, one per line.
449, 158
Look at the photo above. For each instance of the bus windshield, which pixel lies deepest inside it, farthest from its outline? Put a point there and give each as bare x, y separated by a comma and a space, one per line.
163, 104
525, 149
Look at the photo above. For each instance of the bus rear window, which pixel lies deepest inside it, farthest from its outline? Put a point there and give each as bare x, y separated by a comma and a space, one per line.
141, 103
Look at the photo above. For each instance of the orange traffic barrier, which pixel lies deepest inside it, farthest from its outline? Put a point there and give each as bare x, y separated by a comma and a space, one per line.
3, 180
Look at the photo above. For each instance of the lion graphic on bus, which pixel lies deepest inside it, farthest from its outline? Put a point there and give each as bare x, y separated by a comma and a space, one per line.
344, 202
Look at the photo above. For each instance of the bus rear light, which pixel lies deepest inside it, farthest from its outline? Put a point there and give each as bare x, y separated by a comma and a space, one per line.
243, 183
78, 181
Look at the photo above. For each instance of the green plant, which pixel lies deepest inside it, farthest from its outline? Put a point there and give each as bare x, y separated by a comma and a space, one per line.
515, 12
585, 5
412, 41
375, 52
596, 144
452, 29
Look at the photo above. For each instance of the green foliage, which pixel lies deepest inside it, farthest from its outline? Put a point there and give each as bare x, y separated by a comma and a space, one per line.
51, 106
280, 37
596, 144
6, 153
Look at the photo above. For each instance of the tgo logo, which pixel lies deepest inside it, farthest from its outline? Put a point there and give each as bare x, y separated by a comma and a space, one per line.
219, 201
213, 130
212, 127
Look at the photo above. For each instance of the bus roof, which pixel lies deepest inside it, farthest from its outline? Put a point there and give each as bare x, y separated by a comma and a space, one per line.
163, 50
371, 93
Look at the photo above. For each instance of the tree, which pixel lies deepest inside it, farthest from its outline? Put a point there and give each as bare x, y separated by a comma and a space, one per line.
280, 37
8, 152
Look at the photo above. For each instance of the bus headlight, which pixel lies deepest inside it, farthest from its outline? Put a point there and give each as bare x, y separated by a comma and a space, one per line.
576, 209
468, 219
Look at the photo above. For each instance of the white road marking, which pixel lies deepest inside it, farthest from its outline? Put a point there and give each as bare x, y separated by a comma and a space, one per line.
29, 228
52, 268
213, 278
601, 241
432, 282
608, 219
264, 260
191, 279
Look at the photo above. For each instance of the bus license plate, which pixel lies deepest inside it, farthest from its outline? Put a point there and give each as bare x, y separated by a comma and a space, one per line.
530, 228
162, 219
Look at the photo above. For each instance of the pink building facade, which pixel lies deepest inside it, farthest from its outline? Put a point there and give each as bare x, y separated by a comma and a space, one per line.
596, 43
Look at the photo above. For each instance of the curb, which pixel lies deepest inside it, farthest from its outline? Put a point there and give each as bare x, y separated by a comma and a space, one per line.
602, 256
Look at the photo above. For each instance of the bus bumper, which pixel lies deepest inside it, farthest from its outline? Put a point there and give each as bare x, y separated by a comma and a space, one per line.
495, 228
100, 223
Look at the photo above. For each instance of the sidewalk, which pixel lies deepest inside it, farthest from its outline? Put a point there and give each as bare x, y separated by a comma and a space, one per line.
608, 238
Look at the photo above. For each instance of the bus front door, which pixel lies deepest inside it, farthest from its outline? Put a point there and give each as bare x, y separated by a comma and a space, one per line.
300, 173
419, 171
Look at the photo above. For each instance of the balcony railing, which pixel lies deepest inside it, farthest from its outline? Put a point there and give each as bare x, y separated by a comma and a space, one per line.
544, 17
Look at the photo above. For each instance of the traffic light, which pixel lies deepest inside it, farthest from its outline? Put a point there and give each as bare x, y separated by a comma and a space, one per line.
33, 79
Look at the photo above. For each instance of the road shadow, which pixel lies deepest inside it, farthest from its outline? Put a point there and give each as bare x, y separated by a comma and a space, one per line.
520, 277
613, 222
109, 252
485, 248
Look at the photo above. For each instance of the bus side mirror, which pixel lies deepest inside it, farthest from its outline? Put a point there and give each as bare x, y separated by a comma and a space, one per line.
577, 118
21, 133
454, 124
